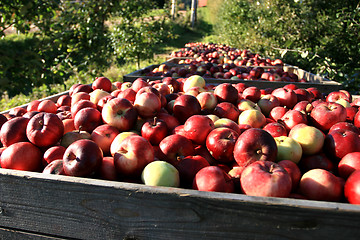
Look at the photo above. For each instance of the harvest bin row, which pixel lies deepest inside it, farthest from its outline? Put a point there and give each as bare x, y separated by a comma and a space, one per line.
40, 206
323, 84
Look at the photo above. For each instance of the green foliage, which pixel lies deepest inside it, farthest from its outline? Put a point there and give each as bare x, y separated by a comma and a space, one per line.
319, 36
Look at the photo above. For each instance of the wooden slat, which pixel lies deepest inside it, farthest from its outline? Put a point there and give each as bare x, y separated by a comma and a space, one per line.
95, 209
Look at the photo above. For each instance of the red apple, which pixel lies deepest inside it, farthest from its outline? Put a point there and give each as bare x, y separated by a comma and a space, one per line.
188, 167
352, 188
267, 103
252, 93
276, 129
213, 179
294, 171
87, 119
108, 170
340, 142
326, 114
22, 156
138, 84
292, 118
220, 142
170, 120
47, 106
14, 130
134, 153
186, 106
33, 105
82, 158
207, 100
103, 136
287, 97
318, 160
102, 83
344, 126
147, 105
64, 100
79, 96
176, 146
277, 113
197, 127
265, 179
154, 130
119, 113
80, 105
227, 110
225, 92
322, 185
348, 164
128, 94
253, 145
53, 153
55, 167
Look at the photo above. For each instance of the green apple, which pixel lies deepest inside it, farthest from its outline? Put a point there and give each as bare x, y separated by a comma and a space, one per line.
160, 173
194, 81
288, 149
310, 138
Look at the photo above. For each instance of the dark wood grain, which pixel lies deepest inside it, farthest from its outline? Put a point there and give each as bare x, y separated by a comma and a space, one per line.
82, 208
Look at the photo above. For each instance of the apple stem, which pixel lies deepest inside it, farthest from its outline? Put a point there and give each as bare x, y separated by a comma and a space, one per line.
154, 122
272, 166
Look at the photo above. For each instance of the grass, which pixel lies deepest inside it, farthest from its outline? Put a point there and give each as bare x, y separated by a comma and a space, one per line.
182, 32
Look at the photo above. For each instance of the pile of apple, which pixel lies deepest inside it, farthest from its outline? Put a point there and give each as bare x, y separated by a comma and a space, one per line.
234, 138
223, 71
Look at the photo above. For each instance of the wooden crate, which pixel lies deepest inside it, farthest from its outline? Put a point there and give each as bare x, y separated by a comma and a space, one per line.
323, 84
39, 206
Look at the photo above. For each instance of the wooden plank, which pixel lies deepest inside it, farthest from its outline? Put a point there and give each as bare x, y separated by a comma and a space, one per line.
96, 209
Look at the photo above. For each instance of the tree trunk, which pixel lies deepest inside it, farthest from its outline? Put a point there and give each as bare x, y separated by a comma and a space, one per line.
193, 12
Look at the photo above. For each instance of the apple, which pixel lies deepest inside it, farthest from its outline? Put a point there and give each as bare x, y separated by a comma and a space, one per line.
172, 83
119, 113
87, 119
103, 136
310, 138
318, 160
352, 189
55, 167
14, 130
288, 149
107, 169
125, 85
33, 105
303, 95
160, 173
73, 136
71, 89
322, 185
134, 153
154, 130
147, 105
128, 94
294, 172
115, 144
197, 127
17, 112
207, 100
348, 164
97, 94
225, 122
220, 142
265, 179
22, 156
252, 93
340, 142
103, 101
334, 96
227, 110
277, 112
267, 103
326, 114
79, 96
245, 104
344, 126
188, 167
350, 113
213, 179
138, 84
287, 97
254, 118
186, 106
176, 146
68, 125
304, 106
253, 145
82, 158
170, 120
292, 118
276, 129
47, 106
225, 92
102, 83
194, 81
80, 105
53, 153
